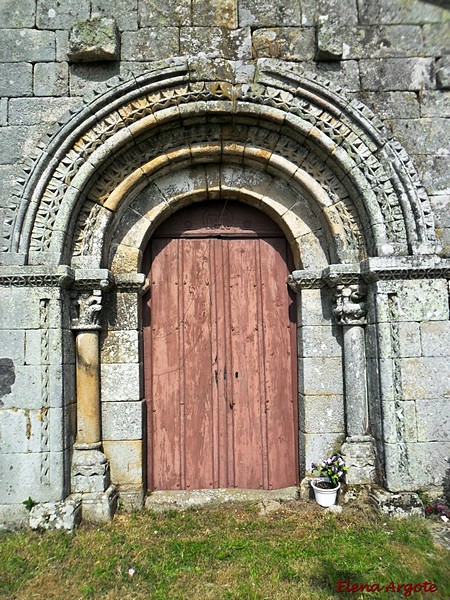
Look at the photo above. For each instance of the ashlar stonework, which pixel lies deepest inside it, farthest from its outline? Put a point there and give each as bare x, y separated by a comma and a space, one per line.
331, 119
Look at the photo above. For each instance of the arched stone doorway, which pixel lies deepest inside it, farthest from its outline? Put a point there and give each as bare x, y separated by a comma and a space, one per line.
324, 169
220, 352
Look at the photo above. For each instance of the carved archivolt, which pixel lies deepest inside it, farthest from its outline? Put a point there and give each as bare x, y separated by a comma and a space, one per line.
289, 124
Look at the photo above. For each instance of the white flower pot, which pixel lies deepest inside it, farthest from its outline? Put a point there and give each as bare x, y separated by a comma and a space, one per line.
324, 497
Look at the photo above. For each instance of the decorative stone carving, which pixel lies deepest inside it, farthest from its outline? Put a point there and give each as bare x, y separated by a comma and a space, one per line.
350, 307
45, 390
374, 168
87, 307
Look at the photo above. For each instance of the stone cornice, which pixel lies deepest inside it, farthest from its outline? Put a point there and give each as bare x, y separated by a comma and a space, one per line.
371, 270
12, 276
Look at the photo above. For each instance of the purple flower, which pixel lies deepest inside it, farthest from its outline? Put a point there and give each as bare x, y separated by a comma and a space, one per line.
440, 507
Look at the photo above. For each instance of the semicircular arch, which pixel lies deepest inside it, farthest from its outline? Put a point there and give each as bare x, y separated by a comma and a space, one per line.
336, 156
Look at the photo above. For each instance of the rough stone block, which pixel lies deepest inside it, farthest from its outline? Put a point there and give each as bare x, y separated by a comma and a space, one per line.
344, 73
434, 171
86, 78
125, 12
380, 11
409, 339
441, 209
396, 505
428, 463
153, 13
34, 111
435, 103
56, 515
150, 43
122, 421
443, 73
421, 136
391, 105
20, 430
100, 507
94, 40
216, 41
3, 112
120, 347
27, 45
20, 477
16, 79
322, 376
404, 74
423, 300
319, 341
436, 38
328, 39
342, 12
269, 14
287, 43
12, 345
433, 420
121, 382
360, 460
60, 15
323, 414
316, 447
21, 387
52, 79
435, 338
16, 142
221, 13
314, 307
121, 311
15, 14
125, 461
425, 378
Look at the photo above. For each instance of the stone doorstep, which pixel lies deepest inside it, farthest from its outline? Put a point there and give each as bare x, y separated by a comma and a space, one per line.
161, 501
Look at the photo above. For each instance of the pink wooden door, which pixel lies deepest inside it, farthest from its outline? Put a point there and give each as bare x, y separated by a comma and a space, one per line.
219, 351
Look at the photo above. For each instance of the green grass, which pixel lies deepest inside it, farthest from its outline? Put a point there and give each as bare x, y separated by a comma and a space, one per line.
299, 551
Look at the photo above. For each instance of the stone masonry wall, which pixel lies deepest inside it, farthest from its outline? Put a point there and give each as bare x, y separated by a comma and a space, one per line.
392, 54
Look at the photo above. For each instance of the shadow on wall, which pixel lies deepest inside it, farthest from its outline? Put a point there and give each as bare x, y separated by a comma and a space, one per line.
7, 377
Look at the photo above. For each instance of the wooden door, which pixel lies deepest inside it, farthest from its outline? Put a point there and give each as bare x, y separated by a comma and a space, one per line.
219, 352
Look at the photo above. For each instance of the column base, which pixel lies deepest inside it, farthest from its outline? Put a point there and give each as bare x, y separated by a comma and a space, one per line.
359, 455
90, 470
99, 507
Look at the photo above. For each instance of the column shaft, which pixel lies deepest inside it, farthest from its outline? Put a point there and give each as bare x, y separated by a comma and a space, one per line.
88, 387
355, 380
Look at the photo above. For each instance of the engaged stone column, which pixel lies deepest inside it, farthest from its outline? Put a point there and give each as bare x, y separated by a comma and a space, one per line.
350, 311
90, 469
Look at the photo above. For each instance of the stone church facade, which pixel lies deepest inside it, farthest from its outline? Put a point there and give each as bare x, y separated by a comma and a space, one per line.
329, 118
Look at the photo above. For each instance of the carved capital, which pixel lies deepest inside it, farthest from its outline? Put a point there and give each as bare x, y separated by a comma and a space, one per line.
86, 307
350, 306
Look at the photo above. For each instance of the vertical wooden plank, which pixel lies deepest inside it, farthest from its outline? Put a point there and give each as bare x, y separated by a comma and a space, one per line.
224, 417
165, 472
279, 375
197, 366
244, 365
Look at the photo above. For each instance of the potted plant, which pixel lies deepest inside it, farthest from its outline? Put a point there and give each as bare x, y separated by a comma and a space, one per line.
331, 472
